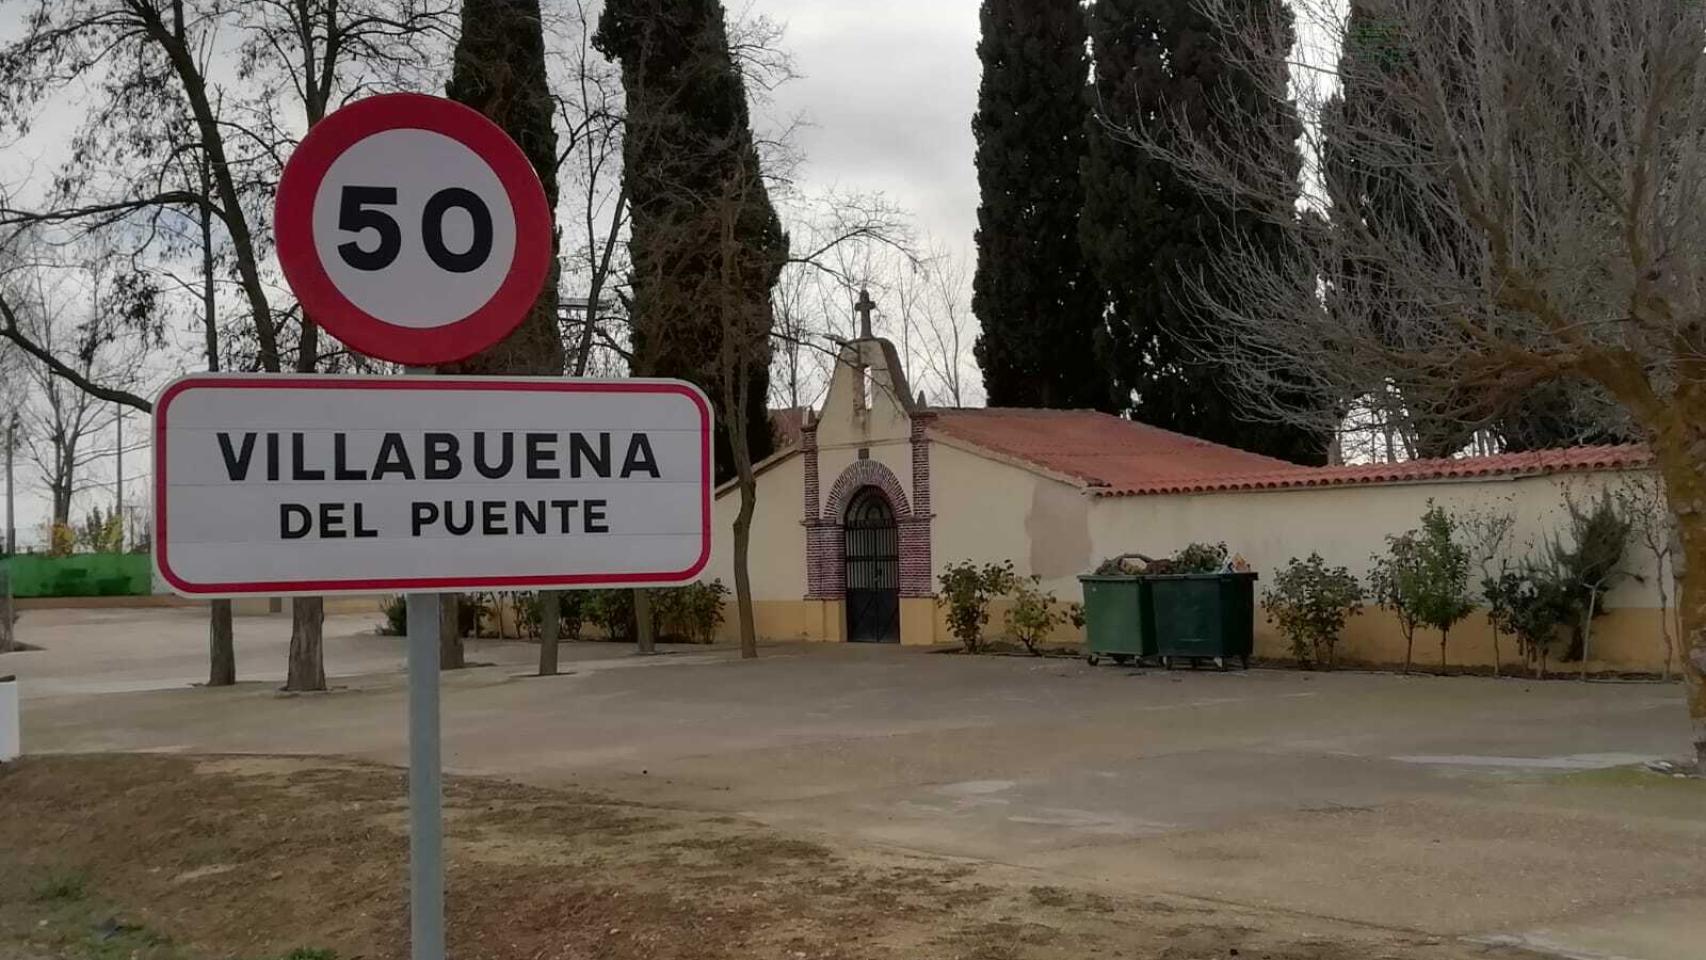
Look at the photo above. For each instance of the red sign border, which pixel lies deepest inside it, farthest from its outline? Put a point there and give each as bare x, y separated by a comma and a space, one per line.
293, 221
421, 584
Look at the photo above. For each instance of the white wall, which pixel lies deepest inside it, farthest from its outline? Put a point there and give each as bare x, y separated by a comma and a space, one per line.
777, 560
989, 511
1346, 525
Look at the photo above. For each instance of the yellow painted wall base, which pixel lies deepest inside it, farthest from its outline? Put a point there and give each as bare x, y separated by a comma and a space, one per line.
1624, 640
809, 620
1630, 639
825, 621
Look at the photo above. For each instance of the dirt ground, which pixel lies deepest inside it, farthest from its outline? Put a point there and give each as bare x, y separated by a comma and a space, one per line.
150, 857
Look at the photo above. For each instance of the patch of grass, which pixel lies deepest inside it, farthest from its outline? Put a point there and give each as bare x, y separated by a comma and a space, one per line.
66, 887
1639, 777
310, 953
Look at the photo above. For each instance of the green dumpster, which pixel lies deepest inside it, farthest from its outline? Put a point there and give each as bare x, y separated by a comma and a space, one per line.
1203, 616
1117, 622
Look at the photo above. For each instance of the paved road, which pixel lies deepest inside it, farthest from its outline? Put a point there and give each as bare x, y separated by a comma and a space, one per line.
1461, 807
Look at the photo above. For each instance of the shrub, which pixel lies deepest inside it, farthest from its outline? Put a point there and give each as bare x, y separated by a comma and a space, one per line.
691, 613
966, 590
613, 610
1423, 579
530, 609
1035, 613
571, 613
1592, 564
1534, 606
1309, 602
396, 610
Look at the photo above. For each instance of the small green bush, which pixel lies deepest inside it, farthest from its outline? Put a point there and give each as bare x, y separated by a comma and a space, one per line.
1423, 579
691, 613
1035, 613
966, 590
611, 609
1592, 564
1535, 605
1310, 602
396, 610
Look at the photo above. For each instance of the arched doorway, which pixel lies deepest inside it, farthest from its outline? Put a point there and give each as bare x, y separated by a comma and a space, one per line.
872, 555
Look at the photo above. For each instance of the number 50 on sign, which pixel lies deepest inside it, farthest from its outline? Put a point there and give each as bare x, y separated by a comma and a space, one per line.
413, 229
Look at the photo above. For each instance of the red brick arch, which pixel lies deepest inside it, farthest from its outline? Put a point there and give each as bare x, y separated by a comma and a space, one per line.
861, 474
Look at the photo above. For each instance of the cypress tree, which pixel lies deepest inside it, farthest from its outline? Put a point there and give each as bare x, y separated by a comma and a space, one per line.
1146, 231
1032, 292
499, 70
687, 152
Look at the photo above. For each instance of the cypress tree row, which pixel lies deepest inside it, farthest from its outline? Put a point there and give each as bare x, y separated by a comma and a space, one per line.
1145, 230
691, 169
1032, 292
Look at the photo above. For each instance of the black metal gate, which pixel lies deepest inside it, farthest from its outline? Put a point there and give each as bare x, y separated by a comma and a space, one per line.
873, 569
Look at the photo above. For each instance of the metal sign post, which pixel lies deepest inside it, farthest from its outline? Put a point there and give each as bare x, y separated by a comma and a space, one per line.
426, 772
426, 783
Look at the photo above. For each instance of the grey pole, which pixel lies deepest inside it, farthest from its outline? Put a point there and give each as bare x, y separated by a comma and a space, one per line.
118, 490
426, 822
11, 519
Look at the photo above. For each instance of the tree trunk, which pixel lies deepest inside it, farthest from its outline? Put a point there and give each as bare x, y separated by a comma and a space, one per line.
1409, 650
1587, 631
1664, 623
1442, 653
451, 654
645, 629
1692, 607
1496, 656
221, 648
1685, 488
550, 624
8, 640
307, 660
743, 546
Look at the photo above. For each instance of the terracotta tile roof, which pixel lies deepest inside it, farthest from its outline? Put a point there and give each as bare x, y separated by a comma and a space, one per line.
1099, 450
1115, 457
1533, 463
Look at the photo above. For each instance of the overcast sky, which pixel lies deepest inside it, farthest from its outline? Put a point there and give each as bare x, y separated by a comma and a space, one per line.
887, 88
890, 86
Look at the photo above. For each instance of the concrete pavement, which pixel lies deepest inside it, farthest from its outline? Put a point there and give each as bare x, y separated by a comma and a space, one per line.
1465, 807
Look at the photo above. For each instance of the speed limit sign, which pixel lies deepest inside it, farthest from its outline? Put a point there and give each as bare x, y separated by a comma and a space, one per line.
413, 229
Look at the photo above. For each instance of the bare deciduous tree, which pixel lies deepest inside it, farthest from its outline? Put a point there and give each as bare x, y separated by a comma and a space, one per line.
1551, 157
158, 91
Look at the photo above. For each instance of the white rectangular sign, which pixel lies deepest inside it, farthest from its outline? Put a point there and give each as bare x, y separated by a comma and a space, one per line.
276, 485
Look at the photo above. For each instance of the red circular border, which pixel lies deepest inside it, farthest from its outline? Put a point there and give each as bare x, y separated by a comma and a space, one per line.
293, 220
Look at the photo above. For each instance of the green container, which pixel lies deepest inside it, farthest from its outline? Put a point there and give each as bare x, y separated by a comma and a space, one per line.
1209, 616
81, 575
1117, 619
